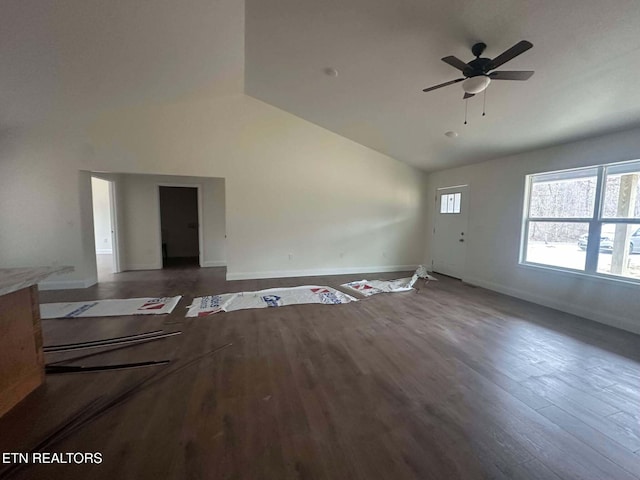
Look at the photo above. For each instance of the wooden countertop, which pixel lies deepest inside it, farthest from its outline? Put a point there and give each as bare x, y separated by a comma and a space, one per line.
14, 279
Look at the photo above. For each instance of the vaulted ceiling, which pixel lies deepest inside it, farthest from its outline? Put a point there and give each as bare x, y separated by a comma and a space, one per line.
586, 57
68, 58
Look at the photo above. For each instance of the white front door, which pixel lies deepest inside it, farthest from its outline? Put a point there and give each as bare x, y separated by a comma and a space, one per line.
450, 230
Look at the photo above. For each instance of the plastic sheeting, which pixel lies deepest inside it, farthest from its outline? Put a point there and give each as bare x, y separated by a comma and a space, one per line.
273, 297
110, 308
373, 287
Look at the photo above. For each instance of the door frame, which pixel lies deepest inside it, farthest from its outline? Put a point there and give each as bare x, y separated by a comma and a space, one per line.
436, 212
198, 188
115, 245
113, 218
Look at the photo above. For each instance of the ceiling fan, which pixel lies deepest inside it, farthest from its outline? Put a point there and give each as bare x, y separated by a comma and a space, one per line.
477, 73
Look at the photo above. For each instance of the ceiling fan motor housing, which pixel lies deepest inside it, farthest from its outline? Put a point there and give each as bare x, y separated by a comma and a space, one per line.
479, 66
478, 49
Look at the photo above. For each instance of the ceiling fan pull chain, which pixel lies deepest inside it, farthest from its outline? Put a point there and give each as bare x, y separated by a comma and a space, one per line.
484, 103
466, 103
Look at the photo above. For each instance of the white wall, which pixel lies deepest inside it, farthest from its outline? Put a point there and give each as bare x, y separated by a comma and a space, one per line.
40, 209
141, 220
213, 195
291, 188
495, 218
101, 216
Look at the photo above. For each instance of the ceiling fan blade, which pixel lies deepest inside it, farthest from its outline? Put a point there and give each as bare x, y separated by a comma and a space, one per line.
509, 75
513, 52
468, 95
445, 84
455, 62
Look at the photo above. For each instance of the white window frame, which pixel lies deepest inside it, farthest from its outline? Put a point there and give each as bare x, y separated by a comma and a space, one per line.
595, 223
454, 196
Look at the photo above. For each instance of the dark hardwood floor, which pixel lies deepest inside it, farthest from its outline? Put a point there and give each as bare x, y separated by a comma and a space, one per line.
180, 262
451, 382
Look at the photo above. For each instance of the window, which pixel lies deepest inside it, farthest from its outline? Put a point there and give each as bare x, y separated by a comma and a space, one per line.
585, 220
450, 202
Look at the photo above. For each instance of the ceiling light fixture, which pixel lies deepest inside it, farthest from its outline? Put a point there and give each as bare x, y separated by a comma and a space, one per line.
451, 134
477, 84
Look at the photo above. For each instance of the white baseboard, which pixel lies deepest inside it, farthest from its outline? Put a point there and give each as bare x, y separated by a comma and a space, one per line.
104, 251
589, 313
214, 263
67, 284
143, 266
317, 272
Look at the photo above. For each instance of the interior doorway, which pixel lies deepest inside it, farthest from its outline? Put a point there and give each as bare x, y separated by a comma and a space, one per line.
180, 226
104, 228
450, 230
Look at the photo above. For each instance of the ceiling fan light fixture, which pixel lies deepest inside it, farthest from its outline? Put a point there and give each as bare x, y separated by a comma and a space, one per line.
476, 84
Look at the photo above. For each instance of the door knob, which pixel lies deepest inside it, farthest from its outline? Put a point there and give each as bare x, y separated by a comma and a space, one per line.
461, 240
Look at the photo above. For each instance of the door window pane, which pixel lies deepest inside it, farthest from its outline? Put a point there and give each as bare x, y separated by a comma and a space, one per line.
450, 202
443, 204
560, 244
456, 202
620, 250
